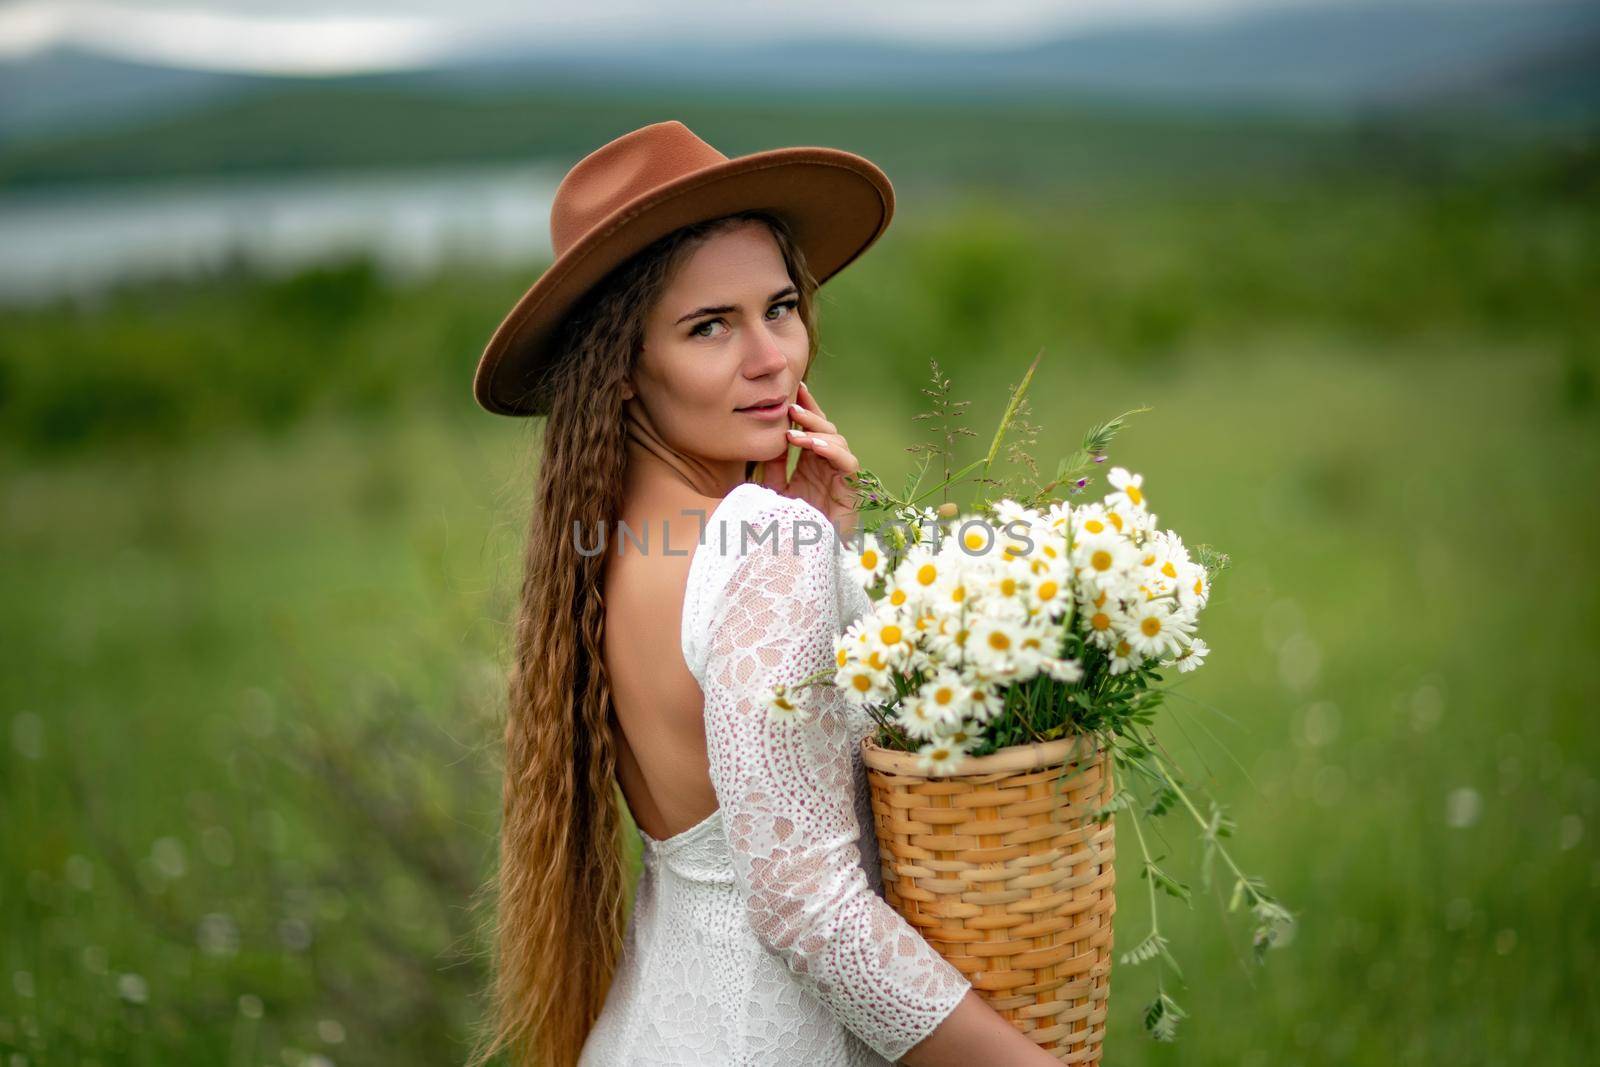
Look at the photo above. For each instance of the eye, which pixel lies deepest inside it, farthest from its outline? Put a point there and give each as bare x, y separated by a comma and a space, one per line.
786, 305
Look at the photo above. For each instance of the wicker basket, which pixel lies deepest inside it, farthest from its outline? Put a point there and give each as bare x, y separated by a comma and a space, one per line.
1003, 869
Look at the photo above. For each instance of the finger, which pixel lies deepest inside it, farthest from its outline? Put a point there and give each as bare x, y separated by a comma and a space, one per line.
829, 445
810, 419
810, 400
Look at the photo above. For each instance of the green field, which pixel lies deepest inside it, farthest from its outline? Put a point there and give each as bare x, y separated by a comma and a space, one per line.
258, 552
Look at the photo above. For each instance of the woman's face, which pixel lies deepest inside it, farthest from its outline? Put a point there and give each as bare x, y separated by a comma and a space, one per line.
725, 335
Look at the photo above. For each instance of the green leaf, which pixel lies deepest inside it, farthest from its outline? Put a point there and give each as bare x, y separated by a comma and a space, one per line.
1161, 1018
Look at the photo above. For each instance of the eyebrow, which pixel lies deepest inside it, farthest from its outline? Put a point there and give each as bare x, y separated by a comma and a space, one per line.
725, 308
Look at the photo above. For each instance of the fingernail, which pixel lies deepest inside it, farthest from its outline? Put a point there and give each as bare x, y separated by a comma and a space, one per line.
820, 443
794, 433
795, 407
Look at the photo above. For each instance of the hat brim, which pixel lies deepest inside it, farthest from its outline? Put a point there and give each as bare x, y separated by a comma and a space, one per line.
836, 203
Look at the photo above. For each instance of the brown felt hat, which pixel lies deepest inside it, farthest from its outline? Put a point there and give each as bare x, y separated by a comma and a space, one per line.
640, 187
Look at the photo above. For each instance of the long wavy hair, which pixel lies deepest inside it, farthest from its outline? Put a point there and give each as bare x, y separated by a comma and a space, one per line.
558, 898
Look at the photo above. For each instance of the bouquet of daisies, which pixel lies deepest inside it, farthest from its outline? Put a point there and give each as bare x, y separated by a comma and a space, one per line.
1028, 617
1015, 624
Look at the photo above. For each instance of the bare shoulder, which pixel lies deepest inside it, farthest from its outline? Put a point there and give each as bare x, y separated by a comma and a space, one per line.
649, 555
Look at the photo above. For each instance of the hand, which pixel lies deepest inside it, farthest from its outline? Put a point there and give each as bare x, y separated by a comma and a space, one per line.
825, 462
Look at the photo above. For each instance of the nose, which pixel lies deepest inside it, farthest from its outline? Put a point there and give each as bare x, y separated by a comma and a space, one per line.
766, 356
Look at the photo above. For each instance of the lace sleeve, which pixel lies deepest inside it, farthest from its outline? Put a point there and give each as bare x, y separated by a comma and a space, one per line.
786, 792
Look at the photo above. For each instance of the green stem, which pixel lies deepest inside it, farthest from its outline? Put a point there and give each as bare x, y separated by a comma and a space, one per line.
1199, 819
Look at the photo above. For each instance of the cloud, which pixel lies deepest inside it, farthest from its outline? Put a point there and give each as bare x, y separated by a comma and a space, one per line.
227, 40
300, 37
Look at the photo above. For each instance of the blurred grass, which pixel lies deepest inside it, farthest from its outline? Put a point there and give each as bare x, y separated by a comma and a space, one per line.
258, 550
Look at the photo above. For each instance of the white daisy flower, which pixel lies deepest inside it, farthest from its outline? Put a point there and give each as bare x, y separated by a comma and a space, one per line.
1008, 511
1155, 628
1105, 559
975, 539
1158, 573
940, 756
1194, 588
946, 637
1124, 658
1191, 657
962, 733
949, 594
868, 561
889, 639
1060, 516
1128, 486
1050, 594
862, 684
1005, 592
1036, 644
922, 718
946, 692
1092, 520
983, 702
1099, 621
784, 707
994, 644
1131, 522
1064, 670
919, 573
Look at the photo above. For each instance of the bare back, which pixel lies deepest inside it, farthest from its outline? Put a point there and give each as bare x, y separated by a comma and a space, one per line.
662, 766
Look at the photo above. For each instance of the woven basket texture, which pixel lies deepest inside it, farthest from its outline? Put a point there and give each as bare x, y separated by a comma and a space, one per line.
1004, 870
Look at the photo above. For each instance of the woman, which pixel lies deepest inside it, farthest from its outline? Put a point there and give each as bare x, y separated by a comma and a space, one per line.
667, 589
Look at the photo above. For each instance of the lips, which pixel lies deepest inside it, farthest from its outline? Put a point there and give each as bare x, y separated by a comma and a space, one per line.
763, 404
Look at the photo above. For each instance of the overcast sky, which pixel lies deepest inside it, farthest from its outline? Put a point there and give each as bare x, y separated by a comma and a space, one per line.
367, 35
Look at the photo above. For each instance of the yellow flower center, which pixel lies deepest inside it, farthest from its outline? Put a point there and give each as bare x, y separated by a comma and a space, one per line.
869, 559
999, 641
1169, 570
861, 682
1094, 526
1135, 495
1101, 560
927, 574
1100, 621
1150, 625
1047, 590
890, 635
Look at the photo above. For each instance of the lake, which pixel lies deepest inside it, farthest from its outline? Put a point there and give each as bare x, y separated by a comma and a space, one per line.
78, 240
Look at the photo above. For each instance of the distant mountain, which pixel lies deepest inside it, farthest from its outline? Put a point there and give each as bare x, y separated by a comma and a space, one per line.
1326, 57
1558, 85
63, 89
67, 114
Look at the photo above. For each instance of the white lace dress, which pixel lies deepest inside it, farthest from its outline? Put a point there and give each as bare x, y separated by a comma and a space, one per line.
758, 935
